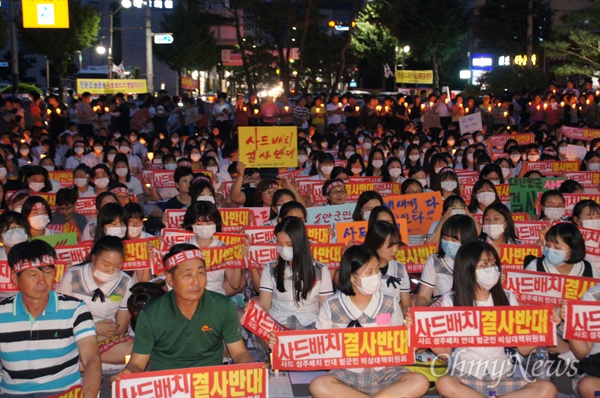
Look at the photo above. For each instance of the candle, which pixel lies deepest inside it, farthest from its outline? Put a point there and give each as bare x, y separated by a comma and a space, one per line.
422, 106
508, 127
489, 108
357, 108
150, 156
147, 185
529, 103
545, 106
378, 107
42, 155
244, 109
387, 108
537, 107
286, 108
106, 109
466, 110
446, 100
573, 106
409, 110
49, 111
587, 102
505, 114
58, 111
317, 110
340, 104
127, 358
256, 111
562, 103
461, 105
430, 104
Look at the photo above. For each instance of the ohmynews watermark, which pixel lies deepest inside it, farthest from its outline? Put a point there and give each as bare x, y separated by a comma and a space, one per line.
527, 368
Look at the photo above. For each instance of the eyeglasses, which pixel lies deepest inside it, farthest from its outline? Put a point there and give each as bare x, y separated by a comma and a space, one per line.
486, 264
338, 192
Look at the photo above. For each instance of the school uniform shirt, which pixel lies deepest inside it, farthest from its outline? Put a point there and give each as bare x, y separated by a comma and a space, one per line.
135, 186
577, 269
283, 305
438, 273
395, 280
79, 282
492, 358
338, 312
214, 279
88, 193
73, 162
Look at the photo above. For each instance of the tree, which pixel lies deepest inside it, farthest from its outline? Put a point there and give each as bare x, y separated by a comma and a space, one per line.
514, 78
500, 27
194, 46
434, 29
59, 45
578, 38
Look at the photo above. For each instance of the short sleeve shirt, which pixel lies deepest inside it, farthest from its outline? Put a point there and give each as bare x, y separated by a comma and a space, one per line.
174, 341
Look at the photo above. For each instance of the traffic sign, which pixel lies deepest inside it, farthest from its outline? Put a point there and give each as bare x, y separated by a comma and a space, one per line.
163, 38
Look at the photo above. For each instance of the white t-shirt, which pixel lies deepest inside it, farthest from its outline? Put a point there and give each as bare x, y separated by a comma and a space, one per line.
214, 279
135, 186
333, 118
282, 303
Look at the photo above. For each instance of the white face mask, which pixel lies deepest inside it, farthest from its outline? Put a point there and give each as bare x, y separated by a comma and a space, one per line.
562, 150
395, 173
101, 182
326, 170
103, 277
286, 252
594, 166
423, 182
459, 159
449, 185
378, 164
24, 152
204, 231
369, 285
367, 145
494, 231
486, 198
366, 215
348, 154
119, 232
487, 278
134, 231
356, 171
437, 170
470, 157
554, 213
111, 157
206, 198
195, 157
515, 158
78, 150
121, 171
14, 236
36, 186
495, 182
459, 211
18, 209
39, 222
591, 224
170, 166
533, 158
3, 172
505, 172
213, 169
302, 158
80, 182
98, 149
49, 168
414, 158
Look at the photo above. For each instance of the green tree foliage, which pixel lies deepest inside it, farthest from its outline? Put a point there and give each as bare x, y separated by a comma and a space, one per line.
578, 38
500, 26
194, 46
434, 29
514, 78
59, 45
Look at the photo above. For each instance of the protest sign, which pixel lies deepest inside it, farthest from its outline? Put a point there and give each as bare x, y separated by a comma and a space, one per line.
387, 188
241, 381
344, 348
497, 142
582, 321
7, 285
512, 257
65, 239
551, 167
137, 255
482, 326
330, 214
318, 233
231, 238
470, 123
163, 178
354, 231
172, 236
329, 254
259, 322
86, 206
175, 217
261, 255
420, 210
591, 178
591, 237
581, 133
529, 231
540, 287
64, 177
215, 258
268, 146
260, 215
415, 257
576, 152
68, 227
77, 254
260, 234
235, 219
50, 197
524, 192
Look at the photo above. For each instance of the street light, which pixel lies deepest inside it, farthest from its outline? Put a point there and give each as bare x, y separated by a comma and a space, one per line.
403, 50
111, 14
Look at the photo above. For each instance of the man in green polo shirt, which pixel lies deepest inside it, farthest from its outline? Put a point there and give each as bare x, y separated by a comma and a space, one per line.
186, 327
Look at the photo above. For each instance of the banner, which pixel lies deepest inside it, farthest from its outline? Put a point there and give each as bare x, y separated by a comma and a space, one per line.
414, 76
387, 188
112, 86
175, 217
540, 287
77, 254
260, 234
248, 380
173, 236
420, 210
353, 191
305, 185
551, 167
582, 321
512, 257
580, 133
235, 219
215, 258
50, 197
64, 177
268, 146
231, 238
59, 239
344, 348
163, 178
330, 214
329, 254
354, 231
415, 257
497, 142
455, 327
259, 322
524, 192
591, 237
261, 255
529, 231
584, 177
470, 123
137, 256
260, 215
318, 233
7, 285
86, 206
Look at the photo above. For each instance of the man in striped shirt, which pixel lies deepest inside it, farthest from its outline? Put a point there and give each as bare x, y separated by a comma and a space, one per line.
44, 335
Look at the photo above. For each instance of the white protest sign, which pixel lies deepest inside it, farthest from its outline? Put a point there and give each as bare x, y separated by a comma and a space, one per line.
470, 123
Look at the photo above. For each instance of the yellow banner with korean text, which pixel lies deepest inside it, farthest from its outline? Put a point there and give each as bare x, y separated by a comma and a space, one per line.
269, 146
108, 86
414, 76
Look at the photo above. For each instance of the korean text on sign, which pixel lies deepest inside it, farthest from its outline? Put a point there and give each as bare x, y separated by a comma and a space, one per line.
269, 146
482, 326
582, 321
540, 287
342, 348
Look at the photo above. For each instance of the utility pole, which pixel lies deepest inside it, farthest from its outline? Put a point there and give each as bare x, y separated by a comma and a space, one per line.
149, 64
14, 47
529, 32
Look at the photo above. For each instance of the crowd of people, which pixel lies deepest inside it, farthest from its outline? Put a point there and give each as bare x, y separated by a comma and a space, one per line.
99, 314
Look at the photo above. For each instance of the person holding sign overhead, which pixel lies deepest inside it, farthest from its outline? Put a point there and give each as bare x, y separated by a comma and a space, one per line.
361, 303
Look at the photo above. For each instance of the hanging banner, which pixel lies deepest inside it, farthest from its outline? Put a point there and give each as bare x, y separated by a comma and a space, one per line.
268, 146
582, 321
114, 86
344, 348
414, 76
540, 287
482, 326
248, 380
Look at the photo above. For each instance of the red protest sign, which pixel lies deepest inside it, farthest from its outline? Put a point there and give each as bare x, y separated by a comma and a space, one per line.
581, 133
329, 254
235, 219
221, 257
342, 348
591, 237
50, 197
540, 287
415, 257
64, 177
6, 284
86, 206
230, 238
548, 167
175, 217
77, 254
387, 188
260, 215
584, 177
243, 381
137, 256
260, 255
482, 326
259, 322
582, 321
260, 234
529, 231
512, 257
163, 178
173, 236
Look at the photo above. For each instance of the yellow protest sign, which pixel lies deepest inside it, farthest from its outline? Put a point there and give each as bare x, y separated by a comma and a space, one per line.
414, 76
269, 146
106, 86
